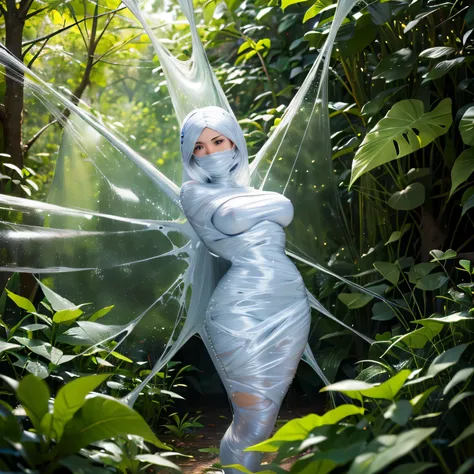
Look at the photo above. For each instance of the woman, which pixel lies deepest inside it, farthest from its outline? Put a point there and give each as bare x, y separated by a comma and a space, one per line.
258, 318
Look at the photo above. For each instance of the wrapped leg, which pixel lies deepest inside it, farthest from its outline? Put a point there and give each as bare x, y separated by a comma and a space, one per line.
254, 418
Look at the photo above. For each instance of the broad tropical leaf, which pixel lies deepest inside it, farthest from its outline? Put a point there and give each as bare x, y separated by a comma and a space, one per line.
462, 169
466, 127
405, 129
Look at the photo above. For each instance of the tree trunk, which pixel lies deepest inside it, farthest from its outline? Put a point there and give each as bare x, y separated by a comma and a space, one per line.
14, 24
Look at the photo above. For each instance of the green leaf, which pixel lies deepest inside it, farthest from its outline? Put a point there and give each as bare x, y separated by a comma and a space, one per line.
355, 300
467, 432
437, 52
432, 282
103, 362
446, 359
389, 271
419, 400
462, 169
34, 327
388, 389
14, 168
469, 204
405, 129
157, 460
442, 68
45, 349
33, 394
264, 43
352, 388
409, 198
57, 302
440, 255
383, 12
397, 235
374, 106
244, 46
89, 333
67, 315
21, 302
69, 399
352, 39
12, 431
240, 468
287, 3
442, 362
420, 337
317, 8
466, 126
418, 173
459, 398
466, 467
399, 412
451, 318
119, 356
99, 314
397, 65
330, 359
460, 376
263, 12
336, 450
356, 389
37, 368
389, 448
103, 417
8, 346
466, 264
413, 468
12, 383
382, 312
420, 270
299, 428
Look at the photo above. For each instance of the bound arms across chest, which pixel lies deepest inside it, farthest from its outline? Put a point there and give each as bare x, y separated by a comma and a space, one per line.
240, 213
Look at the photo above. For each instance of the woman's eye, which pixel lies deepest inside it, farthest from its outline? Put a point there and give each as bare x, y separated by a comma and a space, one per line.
218, 142
197, 148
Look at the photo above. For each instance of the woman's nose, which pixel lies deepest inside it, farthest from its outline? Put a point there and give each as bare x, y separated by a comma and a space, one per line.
211, 148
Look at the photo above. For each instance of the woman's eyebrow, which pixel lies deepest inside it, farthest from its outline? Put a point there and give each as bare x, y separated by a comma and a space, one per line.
200, 143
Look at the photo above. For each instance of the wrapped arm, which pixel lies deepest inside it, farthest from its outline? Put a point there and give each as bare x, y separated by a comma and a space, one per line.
241, 213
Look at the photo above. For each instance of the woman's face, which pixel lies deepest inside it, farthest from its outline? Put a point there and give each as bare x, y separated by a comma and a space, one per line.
211, 141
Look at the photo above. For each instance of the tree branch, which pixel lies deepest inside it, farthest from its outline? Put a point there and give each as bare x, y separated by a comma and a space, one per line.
25, 5
89, 64
11, 5
36, 12
33, 59
62, 30
107, 23
32, 140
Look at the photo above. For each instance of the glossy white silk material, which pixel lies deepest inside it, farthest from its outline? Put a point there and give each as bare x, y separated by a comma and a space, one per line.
258, 319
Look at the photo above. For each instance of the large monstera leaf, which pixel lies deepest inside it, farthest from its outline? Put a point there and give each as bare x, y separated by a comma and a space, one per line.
466, 127
405, 129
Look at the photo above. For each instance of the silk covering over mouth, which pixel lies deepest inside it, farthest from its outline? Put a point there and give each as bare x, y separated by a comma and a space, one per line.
224, 123
218, 165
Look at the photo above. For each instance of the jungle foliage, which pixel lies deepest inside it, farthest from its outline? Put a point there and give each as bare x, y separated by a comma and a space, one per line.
402, 121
